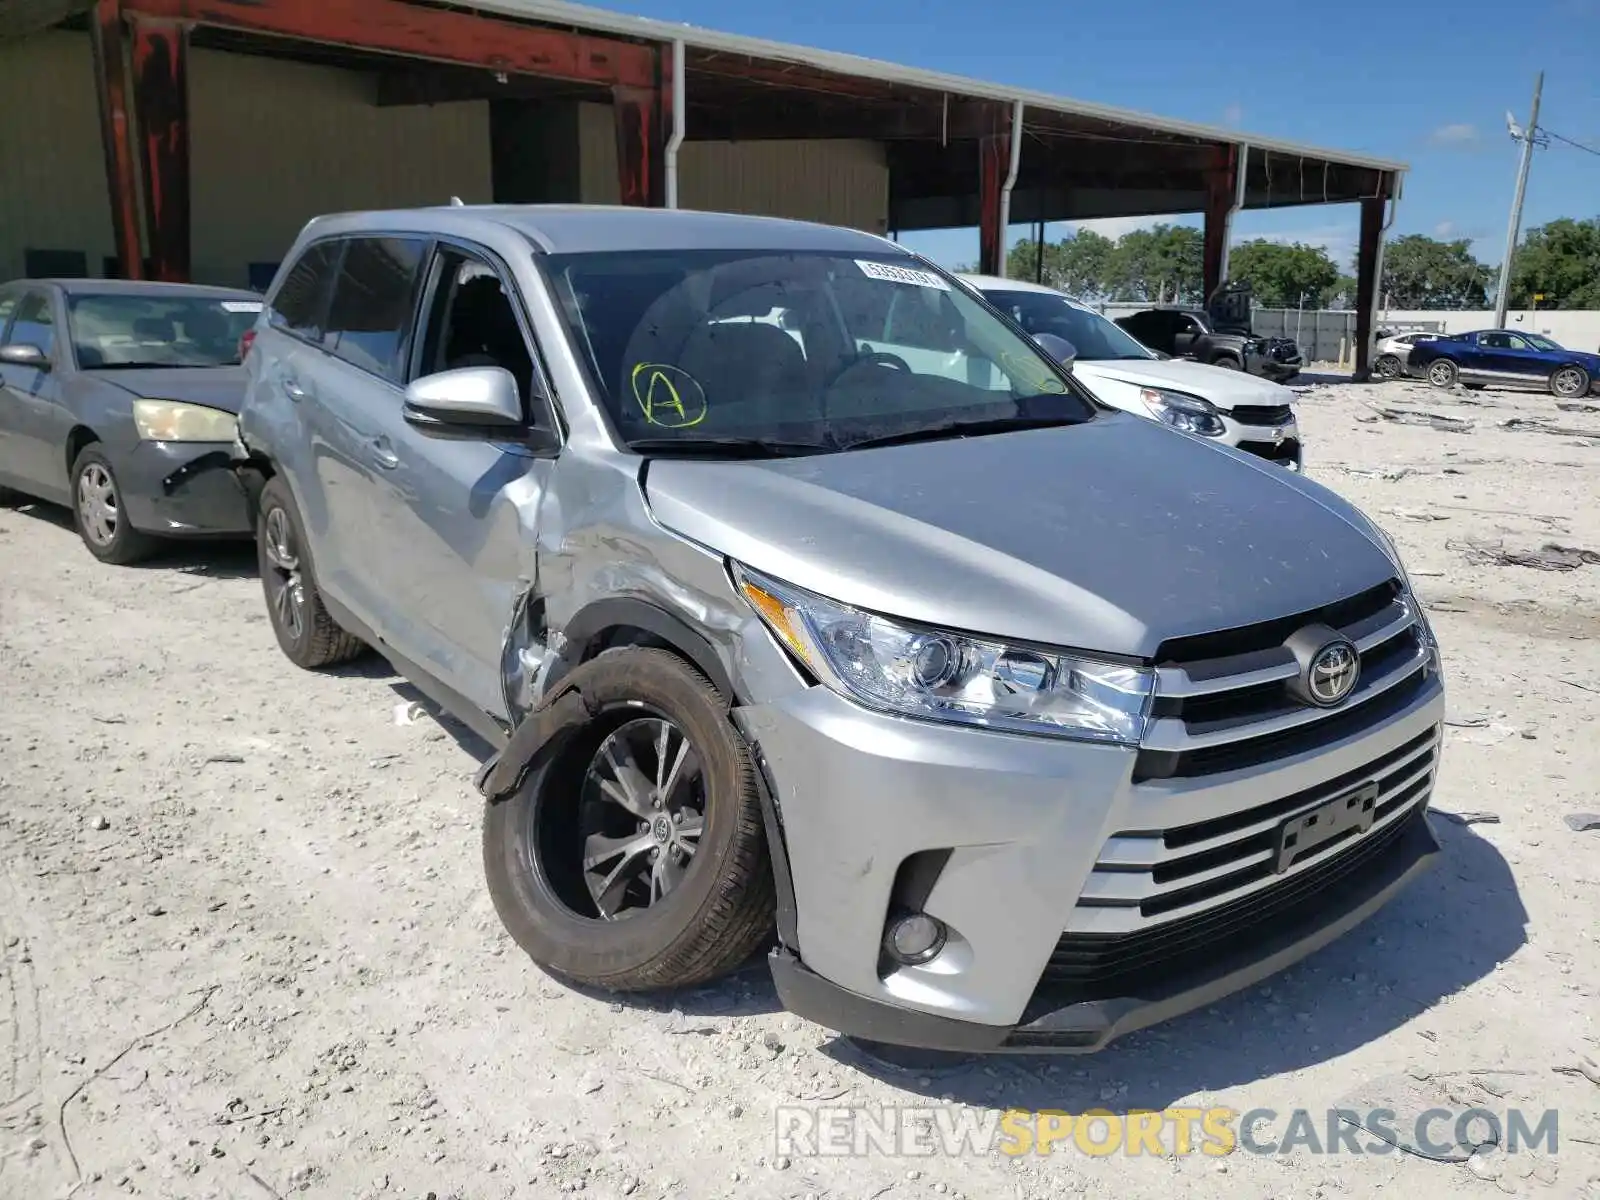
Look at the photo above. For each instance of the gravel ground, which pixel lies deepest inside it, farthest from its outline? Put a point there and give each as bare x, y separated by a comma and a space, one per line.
245, 947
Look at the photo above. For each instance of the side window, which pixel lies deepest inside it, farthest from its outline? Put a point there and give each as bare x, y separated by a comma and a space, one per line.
301, 304
1494, 341
8, 302
1187, 324
472, 322
34, 326
370, 314
1515, 343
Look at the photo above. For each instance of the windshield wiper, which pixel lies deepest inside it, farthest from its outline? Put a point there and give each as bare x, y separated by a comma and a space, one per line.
945, 429
159, 366
727, 447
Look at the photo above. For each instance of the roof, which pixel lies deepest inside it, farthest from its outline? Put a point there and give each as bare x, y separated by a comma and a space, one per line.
995, 283
591, 228
140, 287
559, 12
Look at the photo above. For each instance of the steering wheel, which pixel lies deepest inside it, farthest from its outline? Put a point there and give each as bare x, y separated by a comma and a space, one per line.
873, 358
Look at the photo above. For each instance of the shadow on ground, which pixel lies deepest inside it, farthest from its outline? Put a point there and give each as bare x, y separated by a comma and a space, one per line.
202, 558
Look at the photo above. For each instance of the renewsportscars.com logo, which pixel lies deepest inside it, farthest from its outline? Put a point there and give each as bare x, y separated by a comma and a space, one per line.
953, 1131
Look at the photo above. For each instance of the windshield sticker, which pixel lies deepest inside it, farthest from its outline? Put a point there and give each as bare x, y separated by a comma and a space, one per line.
241, 306
893, 274
668, 396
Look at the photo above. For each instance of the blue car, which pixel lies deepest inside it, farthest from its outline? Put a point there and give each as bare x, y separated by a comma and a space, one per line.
1508, 359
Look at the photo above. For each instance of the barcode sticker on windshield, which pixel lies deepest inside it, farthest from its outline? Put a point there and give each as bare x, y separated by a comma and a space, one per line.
893, 274
241, 306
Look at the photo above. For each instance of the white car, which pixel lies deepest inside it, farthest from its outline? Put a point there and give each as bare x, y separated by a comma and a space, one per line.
1230, 407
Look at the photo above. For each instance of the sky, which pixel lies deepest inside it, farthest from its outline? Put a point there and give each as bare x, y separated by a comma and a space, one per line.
1425, 82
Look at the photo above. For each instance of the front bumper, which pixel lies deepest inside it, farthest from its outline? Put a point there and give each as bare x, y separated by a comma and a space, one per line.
998, 836
180, 489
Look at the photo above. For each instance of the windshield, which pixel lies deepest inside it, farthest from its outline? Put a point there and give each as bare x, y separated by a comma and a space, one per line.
1541, 343
800, 351
131, 330
1094, 337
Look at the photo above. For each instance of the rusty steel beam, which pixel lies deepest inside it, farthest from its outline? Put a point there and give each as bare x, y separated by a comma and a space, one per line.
393, 27
110, 77
1222, 182
643, 117
161, 100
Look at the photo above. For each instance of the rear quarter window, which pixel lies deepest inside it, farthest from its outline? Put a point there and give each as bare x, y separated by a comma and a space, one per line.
300, 305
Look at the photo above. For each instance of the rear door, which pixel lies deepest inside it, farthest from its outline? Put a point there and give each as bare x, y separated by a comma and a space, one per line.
351, 383
30, 399
452, 537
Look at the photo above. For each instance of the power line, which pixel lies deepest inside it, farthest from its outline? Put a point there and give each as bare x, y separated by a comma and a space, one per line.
1548, 132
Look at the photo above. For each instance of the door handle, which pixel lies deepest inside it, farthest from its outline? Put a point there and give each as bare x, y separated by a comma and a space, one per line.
383, 455
293, 390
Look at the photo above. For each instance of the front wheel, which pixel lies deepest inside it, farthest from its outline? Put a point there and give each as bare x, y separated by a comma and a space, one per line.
1442, 373
1227, 364
1569, 382
634, 857
99, 515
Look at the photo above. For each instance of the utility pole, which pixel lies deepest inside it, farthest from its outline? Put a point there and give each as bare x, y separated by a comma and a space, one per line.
1526, 137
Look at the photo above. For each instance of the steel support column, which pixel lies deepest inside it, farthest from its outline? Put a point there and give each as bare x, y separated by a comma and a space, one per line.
1224, 197
110, 77
994, 154
161, 98
1367, 282
644, 118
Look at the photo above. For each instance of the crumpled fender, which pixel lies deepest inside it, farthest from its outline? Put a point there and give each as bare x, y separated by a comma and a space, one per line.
540, 735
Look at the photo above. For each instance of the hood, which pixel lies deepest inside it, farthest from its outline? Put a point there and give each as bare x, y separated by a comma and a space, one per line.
1111, 536
1223, 388
215, 387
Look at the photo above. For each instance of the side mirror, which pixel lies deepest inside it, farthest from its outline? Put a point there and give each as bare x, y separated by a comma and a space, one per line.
1058, 348
24, 355
472, 404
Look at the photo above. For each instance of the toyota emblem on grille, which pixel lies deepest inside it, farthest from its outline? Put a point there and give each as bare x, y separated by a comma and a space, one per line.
1329, 666
1333, 673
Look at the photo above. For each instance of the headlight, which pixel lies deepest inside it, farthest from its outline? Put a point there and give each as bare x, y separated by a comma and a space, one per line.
1188, 413
173, 421
1410, 592
942, 676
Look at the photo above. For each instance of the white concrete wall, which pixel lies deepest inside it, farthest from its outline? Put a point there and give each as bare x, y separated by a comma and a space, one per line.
52, 173
275, 143
837, 182
1576, 329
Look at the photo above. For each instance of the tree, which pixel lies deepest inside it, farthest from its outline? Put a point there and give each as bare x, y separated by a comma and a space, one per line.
1422, 272
1158, 265
1076, 264
1283, 276
1561, 260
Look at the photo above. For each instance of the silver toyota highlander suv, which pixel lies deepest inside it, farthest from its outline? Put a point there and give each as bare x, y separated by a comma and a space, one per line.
798, 590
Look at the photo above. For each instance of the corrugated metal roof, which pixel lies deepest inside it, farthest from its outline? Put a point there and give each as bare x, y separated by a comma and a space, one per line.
582, 16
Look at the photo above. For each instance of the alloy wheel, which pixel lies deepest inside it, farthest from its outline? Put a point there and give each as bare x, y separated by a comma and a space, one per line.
1569, 381
99, 507
643, 811
286, 594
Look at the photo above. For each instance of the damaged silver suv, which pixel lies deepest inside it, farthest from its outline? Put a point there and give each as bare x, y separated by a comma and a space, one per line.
799, 592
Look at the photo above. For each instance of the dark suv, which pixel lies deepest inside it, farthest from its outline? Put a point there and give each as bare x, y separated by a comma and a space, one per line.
1191, 333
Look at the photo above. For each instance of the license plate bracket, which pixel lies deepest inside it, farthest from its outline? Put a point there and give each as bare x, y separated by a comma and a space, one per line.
1305, 832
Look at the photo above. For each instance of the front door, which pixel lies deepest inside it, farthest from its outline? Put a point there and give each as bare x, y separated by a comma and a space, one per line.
34, 456
1509, 359
455, 539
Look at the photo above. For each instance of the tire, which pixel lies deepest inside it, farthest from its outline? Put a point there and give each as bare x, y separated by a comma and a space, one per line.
1570, 382
539, 842
1442, 373
1388, 366
99, 515
1227, 363
307, 635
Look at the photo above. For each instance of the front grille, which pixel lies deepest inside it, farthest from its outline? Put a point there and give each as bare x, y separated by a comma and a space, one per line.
1263, 414
1278, 452
1157, 876
1223, 702
1101, 966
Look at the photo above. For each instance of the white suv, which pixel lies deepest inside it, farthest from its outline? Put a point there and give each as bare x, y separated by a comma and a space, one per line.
1230, 407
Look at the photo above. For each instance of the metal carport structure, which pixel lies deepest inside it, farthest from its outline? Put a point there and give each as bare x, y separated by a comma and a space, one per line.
959, 152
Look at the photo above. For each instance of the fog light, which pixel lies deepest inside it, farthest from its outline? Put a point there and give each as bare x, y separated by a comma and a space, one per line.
914, 939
